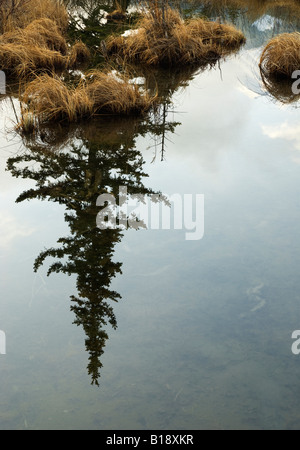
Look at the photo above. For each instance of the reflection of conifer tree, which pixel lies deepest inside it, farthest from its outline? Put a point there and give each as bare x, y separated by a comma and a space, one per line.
103, 159
165, 82
75, 178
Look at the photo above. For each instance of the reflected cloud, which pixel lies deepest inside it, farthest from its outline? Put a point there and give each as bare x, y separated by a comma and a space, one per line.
289, 132
101, 157
284, 131
248, 92
11, 230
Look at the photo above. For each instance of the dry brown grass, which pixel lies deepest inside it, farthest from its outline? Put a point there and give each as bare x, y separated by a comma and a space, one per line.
224, 36
116, 94
32, 38
27, 124
22, 61
165, 39
79, 55
20, 13
281, 56
49, 99
41, 32
39, 46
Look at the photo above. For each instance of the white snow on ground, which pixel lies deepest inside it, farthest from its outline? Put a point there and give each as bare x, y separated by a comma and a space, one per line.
130, 32
266, 23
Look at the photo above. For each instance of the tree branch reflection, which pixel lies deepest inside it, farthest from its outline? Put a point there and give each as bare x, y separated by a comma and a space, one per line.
73, 166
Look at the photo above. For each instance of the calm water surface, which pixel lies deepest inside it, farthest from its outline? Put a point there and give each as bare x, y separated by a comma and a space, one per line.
203, 337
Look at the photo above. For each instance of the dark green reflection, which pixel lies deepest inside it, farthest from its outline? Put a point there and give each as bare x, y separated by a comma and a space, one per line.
73, 166
103, 159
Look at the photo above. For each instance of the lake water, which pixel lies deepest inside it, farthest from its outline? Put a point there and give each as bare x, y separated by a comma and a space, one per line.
203, 337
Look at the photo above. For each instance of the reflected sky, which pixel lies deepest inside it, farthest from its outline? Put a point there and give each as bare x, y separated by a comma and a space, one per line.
204, 327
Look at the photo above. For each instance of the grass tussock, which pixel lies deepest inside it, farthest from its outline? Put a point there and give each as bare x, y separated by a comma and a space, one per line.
41, 32
20, 13
115, 94
164, 38
39, 46
225, 37
280, 90
79, 55
281, 56
49, 99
